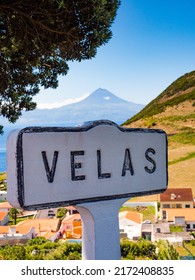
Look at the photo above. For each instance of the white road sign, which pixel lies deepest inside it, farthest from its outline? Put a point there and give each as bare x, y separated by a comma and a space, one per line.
58, 166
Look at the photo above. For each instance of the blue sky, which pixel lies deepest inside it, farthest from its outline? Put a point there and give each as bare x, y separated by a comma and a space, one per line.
153, 44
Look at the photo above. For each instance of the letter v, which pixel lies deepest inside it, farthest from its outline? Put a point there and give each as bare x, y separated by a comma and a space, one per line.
50, 172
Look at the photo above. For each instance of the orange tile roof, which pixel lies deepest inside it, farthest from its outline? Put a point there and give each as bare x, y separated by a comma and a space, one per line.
2, 215
70, 208
69, 219
133, 216
188, 213
4, 229
180, 194
42, 225
5, 204
21, 230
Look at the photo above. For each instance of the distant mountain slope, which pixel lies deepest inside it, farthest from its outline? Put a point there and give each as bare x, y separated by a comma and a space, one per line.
101, 104
174, 112
173, 109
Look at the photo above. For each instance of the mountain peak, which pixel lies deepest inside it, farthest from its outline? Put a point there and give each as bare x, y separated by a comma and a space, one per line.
101, 95
100, 104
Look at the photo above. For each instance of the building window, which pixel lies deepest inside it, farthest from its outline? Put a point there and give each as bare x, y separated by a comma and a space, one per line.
188, 226
187, 206
178, 206
166, 206
193, 226
164, 214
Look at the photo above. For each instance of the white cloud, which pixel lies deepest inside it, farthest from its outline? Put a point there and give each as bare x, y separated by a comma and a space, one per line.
61, 103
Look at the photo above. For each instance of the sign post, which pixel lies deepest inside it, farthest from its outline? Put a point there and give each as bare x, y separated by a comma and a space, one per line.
95, 167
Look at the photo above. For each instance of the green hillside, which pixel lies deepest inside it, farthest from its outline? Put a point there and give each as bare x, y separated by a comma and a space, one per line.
174, 112
183, 89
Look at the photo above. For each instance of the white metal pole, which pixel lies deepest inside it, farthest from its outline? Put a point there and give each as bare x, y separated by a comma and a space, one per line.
100, 225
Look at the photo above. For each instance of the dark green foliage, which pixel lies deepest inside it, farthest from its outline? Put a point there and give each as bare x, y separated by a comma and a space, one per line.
37, 241
70, 250
17, 252
166, 251
13, 212
192, 242
61, 212
38, 37
140, 249
42, 249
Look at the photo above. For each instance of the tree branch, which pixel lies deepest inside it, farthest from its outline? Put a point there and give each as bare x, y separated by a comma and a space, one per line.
36, 22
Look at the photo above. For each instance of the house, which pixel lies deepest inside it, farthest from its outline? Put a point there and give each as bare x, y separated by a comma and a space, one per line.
5, 206
3, 195
175, 238
181, 216
4, 218
18, 234
149, 231
71, 210
71, 226
47, 228
176, 198
130, 224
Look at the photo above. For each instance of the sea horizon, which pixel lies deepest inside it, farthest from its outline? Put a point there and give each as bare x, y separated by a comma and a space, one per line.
3, 165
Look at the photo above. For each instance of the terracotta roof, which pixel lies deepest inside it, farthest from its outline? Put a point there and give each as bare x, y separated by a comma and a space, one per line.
181, 194
188, 213
41, 225
5, 205
69, 219
133, 216
46, 234
3, 215
70, 208
4, 229
21, 230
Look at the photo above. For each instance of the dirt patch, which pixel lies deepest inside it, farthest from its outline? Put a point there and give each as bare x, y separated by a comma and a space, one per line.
180, 151
182, 175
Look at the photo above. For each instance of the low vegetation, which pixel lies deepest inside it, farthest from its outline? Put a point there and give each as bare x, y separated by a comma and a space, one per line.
187, 157
42, 249
174, 228
147, 211
174, 112
3, 185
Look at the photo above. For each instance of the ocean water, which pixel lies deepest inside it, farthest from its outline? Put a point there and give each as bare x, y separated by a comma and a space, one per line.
2, 161
3, 139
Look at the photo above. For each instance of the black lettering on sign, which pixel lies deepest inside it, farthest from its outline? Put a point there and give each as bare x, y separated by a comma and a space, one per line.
153, 167
76, 165
50, 172
127, 164
99, 167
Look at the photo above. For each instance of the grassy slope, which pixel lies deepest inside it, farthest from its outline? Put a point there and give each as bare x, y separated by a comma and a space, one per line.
174, 111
